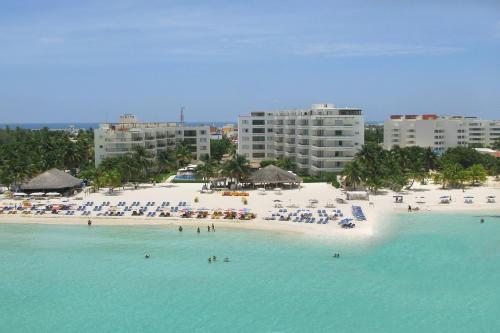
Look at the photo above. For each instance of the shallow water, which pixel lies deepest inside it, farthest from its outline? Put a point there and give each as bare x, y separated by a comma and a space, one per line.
432, 273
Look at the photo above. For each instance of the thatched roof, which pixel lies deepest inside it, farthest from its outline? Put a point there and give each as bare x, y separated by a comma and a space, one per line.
52, 179
271, 174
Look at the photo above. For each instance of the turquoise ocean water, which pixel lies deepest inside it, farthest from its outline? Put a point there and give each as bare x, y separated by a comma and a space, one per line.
431, 273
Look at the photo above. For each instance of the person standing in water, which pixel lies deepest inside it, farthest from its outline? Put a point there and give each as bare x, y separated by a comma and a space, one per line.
198, 231
89, 223
213, 227
208, 228
180, 228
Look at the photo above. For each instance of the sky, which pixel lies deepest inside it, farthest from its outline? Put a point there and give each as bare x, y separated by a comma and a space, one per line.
90, 61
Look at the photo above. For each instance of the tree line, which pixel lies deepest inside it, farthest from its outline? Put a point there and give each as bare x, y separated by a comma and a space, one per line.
26, 153
399, 168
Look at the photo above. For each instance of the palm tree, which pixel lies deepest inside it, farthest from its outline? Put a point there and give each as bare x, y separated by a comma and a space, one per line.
286, 164
451, 175
352, 173
111, 179
236, 168
205, 171
165, 160
430, 159
141, 158
183, 155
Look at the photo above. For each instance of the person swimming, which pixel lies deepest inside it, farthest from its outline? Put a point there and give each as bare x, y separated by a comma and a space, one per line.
180, 228
89, 222
147, 256
226, 259
209, 260
214, 258
482, 220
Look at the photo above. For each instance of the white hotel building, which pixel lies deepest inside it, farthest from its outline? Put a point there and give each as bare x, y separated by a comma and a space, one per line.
121, 138
439, 132
319, 140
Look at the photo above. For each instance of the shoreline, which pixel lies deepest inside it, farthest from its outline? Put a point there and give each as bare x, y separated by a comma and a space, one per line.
379, 210
281, 227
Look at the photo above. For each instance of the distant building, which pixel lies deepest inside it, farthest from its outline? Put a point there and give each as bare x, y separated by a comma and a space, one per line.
439, 132
319, 140
492, 152
121, 138
230, 131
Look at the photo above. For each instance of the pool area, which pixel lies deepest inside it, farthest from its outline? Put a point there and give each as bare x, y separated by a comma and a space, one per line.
185, 177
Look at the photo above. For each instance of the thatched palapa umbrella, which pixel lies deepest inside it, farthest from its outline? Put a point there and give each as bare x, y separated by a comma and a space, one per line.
271, 174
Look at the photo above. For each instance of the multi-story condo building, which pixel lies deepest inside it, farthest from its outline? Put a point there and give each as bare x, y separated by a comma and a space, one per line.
121, 138
319, 140
439, 132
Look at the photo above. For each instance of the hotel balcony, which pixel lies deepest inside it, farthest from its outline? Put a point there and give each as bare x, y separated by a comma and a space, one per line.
332, 158
331, 125
315, 171
332, 145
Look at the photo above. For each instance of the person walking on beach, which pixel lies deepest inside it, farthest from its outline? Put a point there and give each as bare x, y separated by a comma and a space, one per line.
409, 208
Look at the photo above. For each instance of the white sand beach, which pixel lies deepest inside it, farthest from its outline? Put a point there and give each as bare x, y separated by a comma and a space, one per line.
423, 197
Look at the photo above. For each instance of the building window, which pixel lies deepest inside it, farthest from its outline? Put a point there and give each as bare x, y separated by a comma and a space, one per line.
190, 133
258, 130
259, 155
203, 132
258, 122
